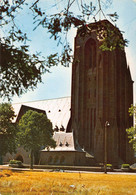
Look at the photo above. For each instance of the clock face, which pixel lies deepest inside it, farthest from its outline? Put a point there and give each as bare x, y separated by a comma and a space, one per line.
101, 35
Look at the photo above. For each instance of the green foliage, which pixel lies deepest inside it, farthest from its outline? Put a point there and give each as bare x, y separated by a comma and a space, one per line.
132, 130
18, 162
109, 165
35, 130
19, 71
57, 25
109, 36
125, 166
60, 23
113, 40
8, 129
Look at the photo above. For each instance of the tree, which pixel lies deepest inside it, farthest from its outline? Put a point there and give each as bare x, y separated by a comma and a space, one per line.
20, 70
8, 129
35, 130
132, 131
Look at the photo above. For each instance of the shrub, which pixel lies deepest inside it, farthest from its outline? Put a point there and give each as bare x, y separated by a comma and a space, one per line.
109, 165
125, 166
15, 162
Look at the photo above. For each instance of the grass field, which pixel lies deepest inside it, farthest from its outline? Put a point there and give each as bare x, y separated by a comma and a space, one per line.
65, 183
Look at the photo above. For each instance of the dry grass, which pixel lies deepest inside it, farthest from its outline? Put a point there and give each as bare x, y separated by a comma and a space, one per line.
65, 183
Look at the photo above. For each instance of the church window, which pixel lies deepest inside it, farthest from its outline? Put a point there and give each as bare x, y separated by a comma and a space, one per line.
49, 159
89, 94
56, 128
95, 93
56, 159
94, 117
91, 58
91, 113
100, 60
62, 159
90, 53
62, 128
67, 144
60, 144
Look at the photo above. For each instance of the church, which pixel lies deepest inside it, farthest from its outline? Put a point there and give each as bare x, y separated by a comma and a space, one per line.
96, 115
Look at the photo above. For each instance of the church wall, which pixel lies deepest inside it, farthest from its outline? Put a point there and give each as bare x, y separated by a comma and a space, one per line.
16, 156
62, 158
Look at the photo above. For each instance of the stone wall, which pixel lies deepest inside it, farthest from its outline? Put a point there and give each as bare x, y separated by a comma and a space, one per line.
62, 158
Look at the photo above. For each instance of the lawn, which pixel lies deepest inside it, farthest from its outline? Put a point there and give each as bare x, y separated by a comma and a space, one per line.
29, 182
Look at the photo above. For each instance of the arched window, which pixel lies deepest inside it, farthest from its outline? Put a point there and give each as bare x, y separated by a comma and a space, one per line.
90, 53
56, 158
62, 160
100, 60
20, 158
50, 160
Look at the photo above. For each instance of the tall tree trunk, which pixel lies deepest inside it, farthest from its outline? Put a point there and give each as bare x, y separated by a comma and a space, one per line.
32, 156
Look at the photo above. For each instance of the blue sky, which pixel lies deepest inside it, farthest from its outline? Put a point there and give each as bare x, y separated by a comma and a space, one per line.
58, 82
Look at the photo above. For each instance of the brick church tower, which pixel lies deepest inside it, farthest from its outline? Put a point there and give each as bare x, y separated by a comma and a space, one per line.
102, 90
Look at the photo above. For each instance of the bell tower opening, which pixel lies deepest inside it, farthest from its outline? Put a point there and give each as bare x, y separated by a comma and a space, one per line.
90, 53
